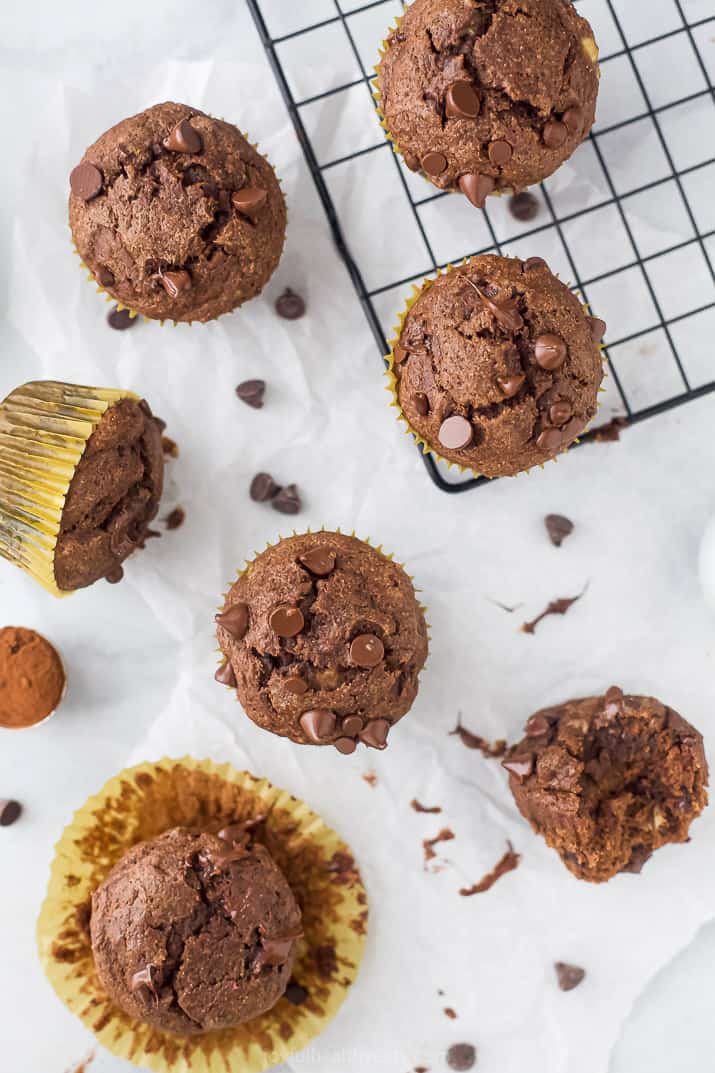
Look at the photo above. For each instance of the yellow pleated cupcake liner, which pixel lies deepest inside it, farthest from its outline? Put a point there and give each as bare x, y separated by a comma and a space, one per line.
142, 802
44, 429
392, 385
134, 313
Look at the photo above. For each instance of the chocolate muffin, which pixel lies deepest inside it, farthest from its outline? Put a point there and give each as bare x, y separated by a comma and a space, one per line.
324, 640
192, 933
497, 366
113, 495
608, 780
488, 95
176, 215
32, 678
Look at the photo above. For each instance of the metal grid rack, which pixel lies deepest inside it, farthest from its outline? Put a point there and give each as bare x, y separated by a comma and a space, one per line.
664, 102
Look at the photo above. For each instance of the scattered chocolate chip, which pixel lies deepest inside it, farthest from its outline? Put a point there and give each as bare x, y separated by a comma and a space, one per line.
573, 118
225, 676
434, 163
290, 305
534, 262
428, 844
115, 575
86, 181
251, 392
249, 200
320, 561
461, 1056
105, 276
550, 351
169, 447
556, 607
558, 527
519, 766
449, 1012
367, 651
461, 101
598, 328
318, 725
297, 686
455, 433
550, 439
477, 188
375, 734
421, 403
424, 808
352, 725
295, 993
560, 413
510, 385
286, 621
287, 501
505, 864
183, 139
555, 134
474, 741
500, 153
175, 282
537, 725
524, 207
263, 488
608, 433
568, 976
120, 319
9, 812
175, 518
234, 620
345, 745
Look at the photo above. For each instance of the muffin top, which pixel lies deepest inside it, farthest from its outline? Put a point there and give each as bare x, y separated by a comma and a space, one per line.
608, 780
324, 640
113, 495
489, 94
32, 678
192, 932
176, 215
497, 366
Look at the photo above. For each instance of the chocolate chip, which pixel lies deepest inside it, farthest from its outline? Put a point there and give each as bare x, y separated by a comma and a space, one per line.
550, 439
421, 403
249, 200
352, 725
510, 385
598, 328
120, 319
520, 767
175, 282
500, 153
375, 734
287, 621
115, 575
225, 675
569, 976
434, 163
461, 1056
320, 561
555, 134
9, 812
251, 392
105, 276
318, 725
639, 857
412, 161
263, 488
183, 139
86, 181
296, 686
550, 351
295, 993
345, 745
558, 527
455, 433
524, 207
534, 262
234, 620
573, 118
367, 651
537, 725
477, 188
462, 101
175, 518
290, 305
560, 413
287, 501
399, 354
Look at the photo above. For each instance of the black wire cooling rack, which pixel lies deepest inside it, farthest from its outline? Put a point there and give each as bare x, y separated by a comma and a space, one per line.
664, 105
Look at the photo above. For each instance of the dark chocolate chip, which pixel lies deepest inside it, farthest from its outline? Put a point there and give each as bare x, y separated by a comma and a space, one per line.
434, 163
400, 354
461, 1057
524, 206
251, 392
296, 686
598, 328
550, 351
461, 101
249, 200
520, 767
234, 620
115, 575
263, 488
9, 812
421, 403
550, 439
412, 161
367, 651
477, 188
320, 561
86, 181
175, 282
560, 413
500, 153
558, 527
537, 725
555, 134
287, 501
568, 976
573, 118
175, 518
290, 305
352, 725
455, 433
295, 993
534, 262
345, 745
225, 675
120, 319
105, 276
318, 725
287, 621
183, 139
510, 385
375, 734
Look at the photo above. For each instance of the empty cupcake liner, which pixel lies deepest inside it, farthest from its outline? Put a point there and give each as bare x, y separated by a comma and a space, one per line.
142, 802
44, 429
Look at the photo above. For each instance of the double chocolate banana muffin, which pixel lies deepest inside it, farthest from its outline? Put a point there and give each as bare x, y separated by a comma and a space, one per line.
497, 366
176, 215
192, 932
323, 639
113, 495
488, 95
608, 780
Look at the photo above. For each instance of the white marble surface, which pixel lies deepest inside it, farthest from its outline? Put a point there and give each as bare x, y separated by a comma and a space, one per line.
139, 655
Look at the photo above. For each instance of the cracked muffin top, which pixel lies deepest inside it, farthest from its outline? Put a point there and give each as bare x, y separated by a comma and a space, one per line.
484, 95
176, 215
497, 366
193, 932
323, 639
608, 780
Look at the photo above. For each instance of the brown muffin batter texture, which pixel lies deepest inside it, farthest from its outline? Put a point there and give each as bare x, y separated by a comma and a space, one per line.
608, 780
324, 640
497, 365
176, 215
32, 678
193, 932
484, 95
113, 495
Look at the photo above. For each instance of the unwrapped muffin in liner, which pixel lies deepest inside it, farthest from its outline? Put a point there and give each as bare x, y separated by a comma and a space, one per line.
44, 429
141, 803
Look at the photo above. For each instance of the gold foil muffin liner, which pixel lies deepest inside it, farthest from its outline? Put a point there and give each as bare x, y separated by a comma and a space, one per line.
140, 803
417, 291
44, 429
